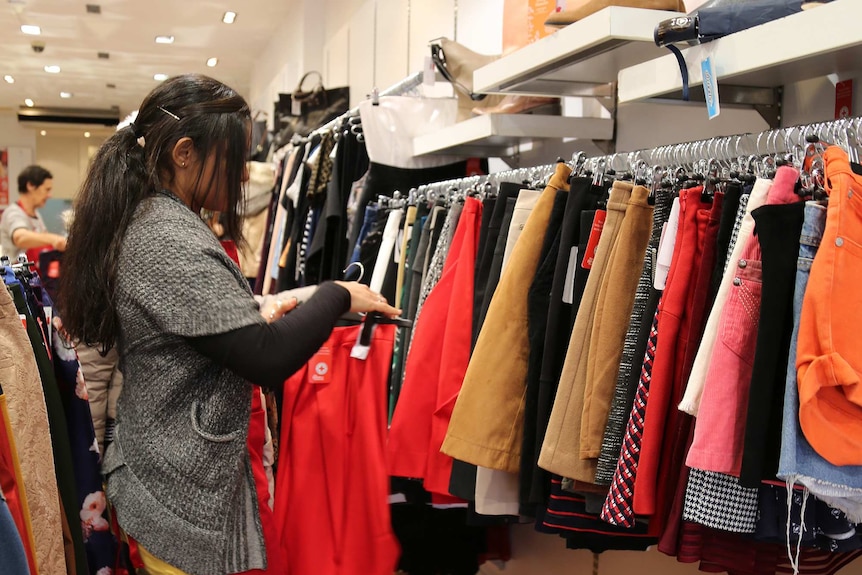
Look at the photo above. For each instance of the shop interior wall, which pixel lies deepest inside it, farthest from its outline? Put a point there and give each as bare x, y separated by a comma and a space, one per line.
376, 43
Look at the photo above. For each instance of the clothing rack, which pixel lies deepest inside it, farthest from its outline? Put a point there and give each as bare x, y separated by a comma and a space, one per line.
753, 151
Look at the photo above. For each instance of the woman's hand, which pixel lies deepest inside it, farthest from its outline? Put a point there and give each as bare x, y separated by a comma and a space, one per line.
276, 308
363, 300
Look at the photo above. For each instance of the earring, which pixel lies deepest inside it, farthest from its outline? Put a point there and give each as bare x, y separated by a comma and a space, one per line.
183, 164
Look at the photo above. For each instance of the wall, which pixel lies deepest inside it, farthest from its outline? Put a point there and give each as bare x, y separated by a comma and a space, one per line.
20, 141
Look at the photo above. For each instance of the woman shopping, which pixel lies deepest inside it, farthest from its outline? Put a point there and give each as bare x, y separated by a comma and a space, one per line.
144, 273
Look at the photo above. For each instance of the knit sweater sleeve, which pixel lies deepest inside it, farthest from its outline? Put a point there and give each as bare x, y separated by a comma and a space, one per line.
268, 354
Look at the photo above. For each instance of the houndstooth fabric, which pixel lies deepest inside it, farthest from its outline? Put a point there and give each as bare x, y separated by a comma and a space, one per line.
718, 501
620, 406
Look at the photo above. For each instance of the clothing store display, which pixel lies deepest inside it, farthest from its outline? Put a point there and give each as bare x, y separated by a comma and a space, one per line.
694, 388
502, 351
561, 451
611, 320
436, 365
634, 346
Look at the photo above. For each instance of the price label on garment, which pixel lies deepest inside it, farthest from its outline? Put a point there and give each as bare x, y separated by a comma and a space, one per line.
710, 87
23, 319
593, 243
295, 107
320, 366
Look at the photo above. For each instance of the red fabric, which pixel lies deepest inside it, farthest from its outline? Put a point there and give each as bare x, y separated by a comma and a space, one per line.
9, 485
332, 490
230, 249
661, 420
437, 363
256, 441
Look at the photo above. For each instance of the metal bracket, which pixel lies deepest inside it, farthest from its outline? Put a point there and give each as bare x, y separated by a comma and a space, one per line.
765, 101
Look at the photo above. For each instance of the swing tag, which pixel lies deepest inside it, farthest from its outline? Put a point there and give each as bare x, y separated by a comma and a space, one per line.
295, 107
23, 319
320, 367
710, 87
593, 243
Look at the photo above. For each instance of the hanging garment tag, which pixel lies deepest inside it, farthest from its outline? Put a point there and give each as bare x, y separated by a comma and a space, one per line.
23, 319
428, 75
295, 107
569, 285
593, 243
320, 370
710, 88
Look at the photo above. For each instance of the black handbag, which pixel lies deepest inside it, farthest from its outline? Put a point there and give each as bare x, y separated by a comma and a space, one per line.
302, 112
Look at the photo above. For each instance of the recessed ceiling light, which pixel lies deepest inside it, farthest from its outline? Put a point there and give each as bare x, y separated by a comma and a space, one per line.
53, 69
229, 17
31, 30
44, 133
86, 134
164, 39
160, 77
212, 62
9, 79
29, 103
65, 95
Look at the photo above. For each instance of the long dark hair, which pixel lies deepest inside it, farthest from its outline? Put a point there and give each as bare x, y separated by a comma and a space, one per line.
132, 165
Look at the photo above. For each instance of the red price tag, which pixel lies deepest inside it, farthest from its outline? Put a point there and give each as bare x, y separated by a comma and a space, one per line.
593, 243
320, 366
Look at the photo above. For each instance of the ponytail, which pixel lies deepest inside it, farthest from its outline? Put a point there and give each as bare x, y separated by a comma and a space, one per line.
116, 183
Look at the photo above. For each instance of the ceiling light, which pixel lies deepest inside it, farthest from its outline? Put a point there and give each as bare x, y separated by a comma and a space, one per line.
164, 39
86, 134
31, 30
160, 77
44, 133
29, 103
212, 62
9, 79
53, 69
65, 95
229, 17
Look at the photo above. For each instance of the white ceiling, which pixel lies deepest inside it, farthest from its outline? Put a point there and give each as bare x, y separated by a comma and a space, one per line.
126, 29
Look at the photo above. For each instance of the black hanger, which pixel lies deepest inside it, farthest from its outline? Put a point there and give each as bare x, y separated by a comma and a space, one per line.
376, 318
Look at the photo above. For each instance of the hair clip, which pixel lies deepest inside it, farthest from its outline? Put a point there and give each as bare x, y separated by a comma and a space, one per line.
171, 114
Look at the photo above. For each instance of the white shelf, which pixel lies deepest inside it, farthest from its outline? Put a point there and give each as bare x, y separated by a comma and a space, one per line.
577, 58
811, 44
501, 134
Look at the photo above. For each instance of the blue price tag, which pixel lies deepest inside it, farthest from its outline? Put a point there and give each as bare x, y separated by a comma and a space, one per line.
710, 88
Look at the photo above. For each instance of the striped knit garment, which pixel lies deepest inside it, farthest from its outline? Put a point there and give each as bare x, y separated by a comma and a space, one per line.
617, 509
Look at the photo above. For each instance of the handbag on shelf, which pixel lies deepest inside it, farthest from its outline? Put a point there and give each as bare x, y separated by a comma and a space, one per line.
456, 63
303, 111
